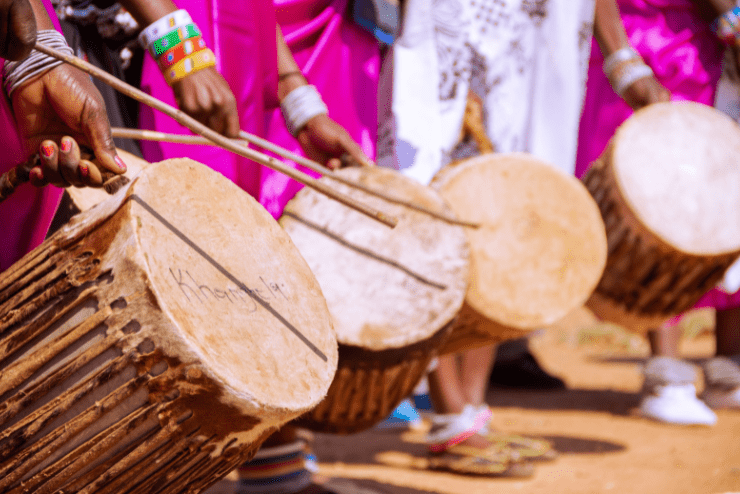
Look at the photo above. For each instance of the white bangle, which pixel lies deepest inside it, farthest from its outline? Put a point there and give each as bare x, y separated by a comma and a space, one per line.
164, 25
301, 105
630, 74
620, 56
15, 74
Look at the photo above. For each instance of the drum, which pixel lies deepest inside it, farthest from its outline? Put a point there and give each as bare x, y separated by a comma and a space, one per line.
668, 187
151, 344
538, 254
392, 293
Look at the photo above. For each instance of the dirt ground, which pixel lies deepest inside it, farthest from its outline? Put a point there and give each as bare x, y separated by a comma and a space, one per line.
604, 446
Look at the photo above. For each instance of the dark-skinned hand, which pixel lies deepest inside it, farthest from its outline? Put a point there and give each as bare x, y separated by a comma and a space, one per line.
324, 140
64, 102
207, 97
644, 92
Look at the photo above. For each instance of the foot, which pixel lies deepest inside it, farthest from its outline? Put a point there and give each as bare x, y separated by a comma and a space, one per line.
722, 376
524, 372
676, 404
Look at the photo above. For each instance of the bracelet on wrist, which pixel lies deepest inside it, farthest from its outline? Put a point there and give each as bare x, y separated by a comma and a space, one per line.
189, 65
627, 74
172, 39
620, 56
180, 52
168, 23
301, 105
727, 26
15, 74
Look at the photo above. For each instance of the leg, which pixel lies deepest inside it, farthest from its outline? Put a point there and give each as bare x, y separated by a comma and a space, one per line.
722, 373
664, 340
728, 332
475, 369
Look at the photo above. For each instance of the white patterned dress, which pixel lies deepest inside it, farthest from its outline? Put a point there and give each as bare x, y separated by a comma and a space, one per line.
526, 59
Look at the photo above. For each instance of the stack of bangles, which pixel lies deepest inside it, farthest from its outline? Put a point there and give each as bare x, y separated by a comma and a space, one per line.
175, 42
624, 67
727, 27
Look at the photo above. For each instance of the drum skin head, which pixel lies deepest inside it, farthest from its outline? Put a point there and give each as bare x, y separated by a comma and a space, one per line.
386, 288
541, 248
677, 165
241, 299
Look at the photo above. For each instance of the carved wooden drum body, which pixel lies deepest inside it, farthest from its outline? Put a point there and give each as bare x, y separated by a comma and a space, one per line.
151, 344
391, 292
668, 187
538, 254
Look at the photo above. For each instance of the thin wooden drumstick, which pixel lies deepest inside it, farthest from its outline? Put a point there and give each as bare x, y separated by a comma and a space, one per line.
153, 135
315, 166
222, 141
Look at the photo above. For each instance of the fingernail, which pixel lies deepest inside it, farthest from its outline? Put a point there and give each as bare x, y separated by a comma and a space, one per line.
84, 170
120, 163
66, 145
37, 173
47, 150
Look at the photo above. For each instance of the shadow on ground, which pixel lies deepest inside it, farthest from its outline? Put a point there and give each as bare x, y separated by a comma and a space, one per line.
591, 400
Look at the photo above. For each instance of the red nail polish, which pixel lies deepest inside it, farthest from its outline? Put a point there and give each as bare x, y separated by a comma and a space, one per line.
120, 163
66, 145
47, 150
84, 171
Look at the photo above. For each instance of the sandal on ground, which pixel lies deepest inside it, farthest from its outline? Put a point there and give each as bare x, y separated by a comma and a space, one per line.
529, 448
492, 461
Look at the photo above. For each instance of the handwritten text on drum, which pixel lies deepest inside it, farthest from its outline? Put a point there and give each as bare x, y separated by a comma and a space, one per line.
243, 295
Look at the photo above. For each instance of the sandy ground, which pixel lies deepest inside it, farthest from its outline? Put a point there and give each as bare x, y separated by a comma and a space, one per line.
604, 446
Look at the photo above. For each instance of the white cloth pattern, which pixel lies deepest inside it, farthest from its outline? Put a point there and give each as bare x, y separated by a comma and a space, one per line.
526, 59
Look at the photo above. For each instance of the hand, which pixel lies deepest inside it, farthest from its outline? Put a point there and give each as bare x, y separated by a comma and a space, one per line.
64, 165
644, 92
206, 96
17, 29
325, 141
64, 102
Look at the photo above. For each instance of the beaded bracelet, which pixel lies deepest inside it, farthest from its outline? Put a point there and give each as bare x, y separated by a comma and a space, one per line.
727, 26
179, 52
193, 63
301, 105
170, 22
620, 56
173, 38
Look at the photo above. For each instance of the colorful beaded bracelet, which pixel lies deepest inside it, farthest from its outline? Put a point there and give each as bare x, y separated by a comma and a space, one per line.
170, 22
172, 39
197, 61
179, 52
727, 26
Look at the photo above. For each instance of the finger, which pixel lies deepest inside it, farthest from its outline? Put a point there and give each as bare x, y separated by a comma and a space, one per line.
334, 164
90, 174
69, 161
18, 31
49, 157
354, 150
36, 177
96, 129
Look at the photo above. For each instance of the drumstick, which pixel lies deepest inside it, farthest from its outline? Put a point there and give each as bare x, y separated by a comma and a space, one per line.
347, 159
224, 142
153, 135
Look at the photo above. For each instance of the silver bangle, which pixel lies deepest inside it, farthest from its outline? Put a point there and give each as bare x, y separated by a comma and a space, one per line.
620, 56
630, 74
15, 74
301, 105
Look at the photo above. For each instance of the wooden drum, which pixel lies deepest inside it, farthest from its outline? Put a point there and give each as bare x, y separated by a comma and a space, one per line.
538, 254
668, 186
391, 292
152, 344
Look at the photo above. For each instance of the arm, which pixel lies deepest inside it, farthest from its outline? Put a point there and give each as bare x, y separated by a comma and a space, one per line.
61, 102
321, 138
205, 95
17, 29
611, 36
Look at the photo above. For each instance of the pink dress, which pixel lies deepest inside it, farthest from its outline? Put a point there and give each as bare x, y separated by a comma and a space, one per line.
686, 57
26, 215
332, 52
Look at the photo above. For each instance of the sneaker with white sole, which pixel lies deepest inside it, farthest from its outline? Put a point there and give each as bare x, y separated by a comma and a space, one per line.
677, 404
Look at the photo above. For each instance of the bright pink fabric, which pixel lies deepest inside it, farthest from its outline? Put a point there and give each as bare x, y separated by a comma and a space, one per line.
686, 58
340, 59
242, 35
26, 215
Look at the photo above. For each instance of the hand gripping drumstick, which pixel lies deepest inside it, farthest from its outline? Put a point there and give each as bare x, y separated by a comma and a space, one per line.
217, 138
21, 174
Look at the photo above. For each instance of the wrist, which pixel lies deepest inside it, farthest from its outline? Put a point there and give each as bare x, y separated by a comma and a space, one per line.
300, 106
289, 81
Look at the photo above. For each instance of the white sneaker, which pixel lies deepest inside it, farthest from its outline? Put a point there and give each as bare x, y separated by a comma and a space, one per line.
722, 398
677, 404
